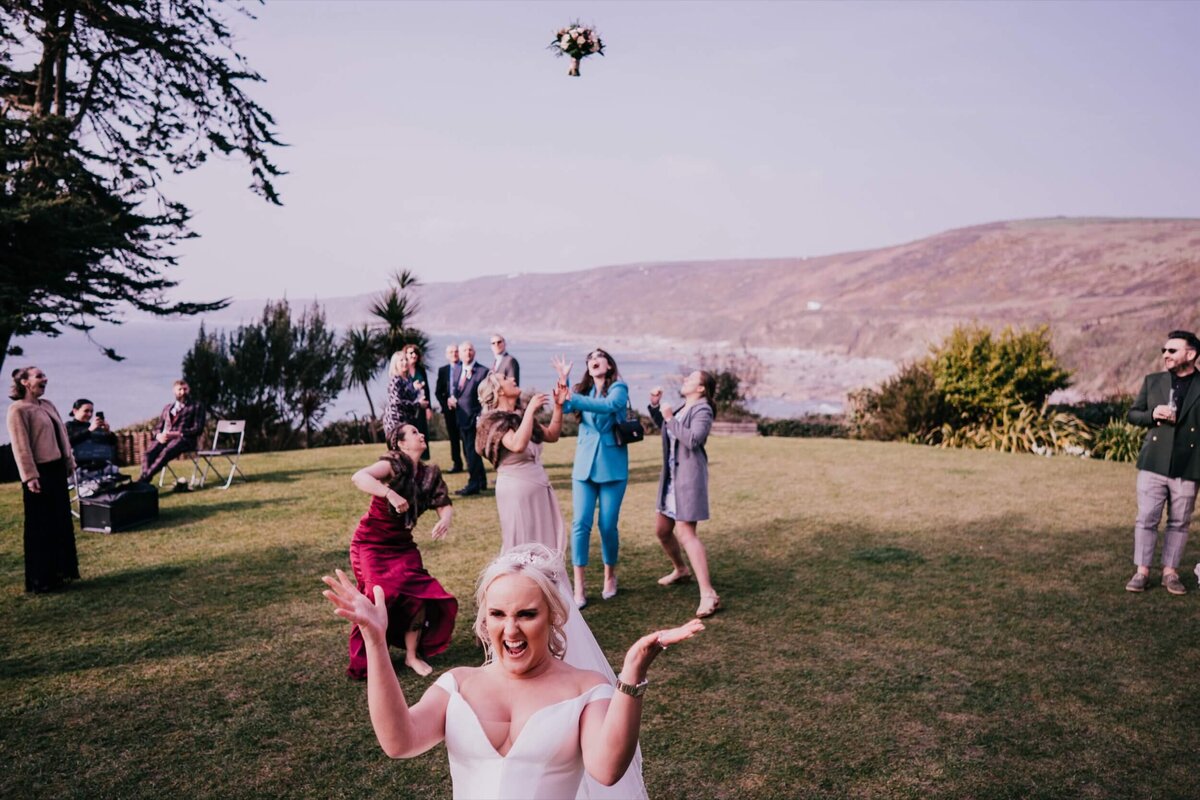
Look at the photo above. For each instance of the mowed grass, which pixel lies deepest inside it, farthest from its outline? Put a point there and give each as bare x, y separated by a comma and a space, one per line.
901, 621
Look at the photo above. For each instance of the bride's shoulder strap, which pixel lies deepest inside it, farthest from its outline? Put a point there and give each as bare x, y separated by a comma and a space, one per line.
447, 683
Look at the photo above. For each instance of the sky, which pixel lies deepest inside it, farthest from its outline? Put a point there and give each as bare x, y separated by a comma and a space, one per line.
446, 137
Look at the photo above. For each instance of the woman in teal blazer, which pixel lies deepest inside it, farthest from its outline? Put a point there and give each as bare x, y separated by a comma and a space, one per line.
601, 465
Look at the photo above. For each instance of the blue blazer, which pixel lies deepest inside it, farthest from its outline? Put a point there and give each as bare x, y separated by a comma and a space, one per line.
598, 457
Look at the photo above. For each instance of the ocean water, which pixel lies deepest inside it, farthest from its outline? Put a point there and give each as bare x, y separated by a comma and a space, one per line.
137, 388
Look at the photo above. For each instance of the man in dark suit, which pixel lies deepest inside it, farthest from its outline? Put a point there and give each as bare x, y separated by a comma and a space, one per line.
1169, 464
464, 398
179, 426
504, 364
448, 376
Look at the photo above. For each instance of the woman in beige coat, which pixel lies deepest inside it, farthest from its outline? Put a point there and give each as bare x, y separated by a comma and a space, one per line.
683, 487
44, 460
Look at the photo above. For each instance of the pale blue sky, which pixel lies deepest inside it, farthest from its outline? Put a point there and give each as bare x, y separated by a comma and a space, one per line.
446, 138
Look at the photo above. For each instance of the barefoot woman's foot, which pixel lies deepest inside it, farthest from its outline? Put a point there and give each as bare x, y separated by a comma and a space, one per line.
709, 603
675, 576
418, 666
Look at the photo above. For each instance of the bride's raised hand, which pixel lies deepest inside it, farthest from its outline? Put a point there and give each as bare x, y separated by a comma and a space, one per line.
351, 604
648, 648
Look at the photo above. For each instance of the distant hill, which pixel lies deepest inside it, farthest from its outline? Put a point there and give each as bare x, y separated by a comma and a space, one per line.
1109, 288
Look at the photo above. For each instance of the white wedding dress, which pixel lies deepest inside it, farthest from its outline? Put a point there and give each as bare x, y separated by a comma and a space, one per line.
529, 513
545, 762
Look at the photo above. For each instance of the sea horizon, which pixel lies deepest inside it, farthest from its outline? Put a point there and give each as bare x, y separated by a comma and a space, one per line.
136, 389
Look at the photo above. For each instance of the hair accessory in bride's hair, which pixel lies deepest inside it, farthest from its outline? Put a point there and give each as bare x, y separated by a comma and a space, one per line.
536, 555
519, 557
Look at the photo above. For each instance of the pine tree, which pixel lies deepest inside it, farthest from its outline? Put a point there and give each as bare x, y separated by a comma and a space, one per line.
99, 99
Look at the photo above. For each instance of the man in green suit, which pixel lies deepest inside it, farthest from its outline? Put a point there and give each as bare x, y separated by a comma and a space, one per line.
1169, 464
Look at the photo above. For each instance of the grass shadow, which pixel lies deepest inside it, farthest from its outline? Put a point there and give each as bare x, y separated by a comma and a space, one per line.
153, 613
290, 475
194, 512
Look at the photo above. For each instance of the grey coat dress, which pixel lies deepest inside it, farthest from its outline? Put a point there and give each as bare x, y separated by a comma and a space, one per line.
683, 439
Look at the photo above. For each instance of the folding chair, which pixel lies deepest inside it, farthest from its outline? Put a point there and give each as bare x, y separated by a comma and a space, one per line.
234, 427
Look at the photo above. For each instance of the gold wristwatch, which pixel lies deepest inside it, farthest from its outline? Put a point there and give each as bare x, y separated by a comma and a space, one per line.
633, 691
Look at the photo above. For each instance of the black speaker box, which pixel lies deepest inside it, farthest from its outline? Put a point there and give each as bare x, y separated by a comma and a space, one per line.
120, 509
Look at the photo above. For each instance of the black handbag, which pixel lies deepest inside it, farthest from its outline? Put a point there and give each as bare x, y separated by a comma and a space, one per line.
629, 430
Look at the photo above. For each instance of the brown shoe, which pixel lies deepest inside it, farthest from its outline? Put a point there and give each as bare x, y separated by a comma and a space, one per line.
1172, 584
1138, 583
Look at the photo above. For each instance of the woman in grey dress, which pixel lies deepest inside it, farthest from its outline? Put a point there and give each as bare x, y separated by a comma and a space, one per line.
683, 487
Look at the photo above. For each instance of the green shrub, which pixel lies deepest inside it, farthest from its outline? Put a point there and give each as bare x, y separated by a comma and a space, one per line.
1022, 429
150, 425
735, 375
1118, 441
981, 376
1098, 413
906, 406
346, 431
811, 426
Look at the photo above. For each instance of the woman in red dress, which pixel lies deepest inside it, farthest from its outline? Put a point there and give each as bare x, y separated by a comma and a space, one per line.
382, 553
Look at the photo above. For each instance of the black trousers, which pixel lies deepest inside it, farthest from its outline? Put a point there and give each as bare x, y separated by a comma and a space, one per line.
476, 477
50, 556
455, 438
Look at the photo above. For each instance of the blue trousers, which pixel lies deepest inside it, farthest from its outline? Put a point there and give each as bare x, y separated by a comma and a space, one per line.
584, 494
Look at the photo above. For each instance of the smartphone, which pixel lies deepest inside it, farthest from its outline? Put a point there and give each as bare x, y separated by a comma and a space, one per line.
100, 415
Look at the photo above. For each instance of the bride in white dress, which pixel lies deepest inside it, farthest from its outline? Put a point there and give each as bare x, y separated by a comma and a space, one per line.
486, 715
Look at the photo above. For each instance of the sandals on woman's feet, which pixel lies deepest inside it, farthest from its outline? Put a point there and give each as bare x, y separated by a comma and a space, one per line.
674, 577
709, 603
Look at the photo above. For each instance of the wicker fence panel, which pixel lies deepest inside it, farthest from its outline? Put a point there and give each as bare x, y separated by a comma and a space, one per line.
131, 447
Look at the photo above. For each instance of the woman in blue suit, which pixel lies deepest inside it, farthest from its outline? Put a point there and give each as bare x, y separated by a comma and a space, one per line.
601, 465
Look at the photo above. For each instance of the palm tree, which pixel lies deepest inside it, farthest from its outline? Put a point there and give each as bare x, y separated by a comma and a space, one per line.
364, 351
395, 309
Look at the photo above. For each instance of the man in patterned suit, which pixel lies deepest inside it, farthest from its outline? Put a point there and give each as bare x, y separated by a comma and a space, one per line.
179, 426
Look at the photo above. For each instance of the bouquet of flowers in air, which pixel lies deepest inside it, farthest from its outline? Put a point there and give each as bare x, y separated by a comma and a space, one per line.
578, 42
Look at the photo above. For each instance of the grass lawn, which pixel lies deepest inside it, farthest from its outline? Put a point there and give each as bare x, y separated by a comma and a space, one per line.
901, 621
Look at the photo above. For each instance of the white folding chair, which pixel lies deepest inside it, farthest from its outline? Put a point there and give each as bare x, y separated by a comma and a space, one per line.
228, 427
73, 492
